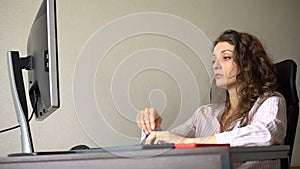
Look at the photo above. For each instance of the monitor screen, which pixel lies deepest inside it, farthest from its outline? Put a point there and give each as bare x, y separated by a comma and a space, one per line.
42, 47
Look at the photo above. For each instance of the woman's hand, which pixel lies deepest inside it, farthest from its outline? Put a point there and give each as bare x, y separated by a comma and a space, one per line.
148, 119
157, 137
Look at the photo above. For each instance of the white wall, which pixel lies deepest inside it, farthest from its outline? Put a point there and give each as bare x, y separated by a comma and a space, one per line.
275, 22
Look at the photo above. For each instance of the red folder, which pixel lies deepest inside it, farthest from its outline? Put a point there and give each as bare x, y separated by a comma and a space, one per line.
195, 145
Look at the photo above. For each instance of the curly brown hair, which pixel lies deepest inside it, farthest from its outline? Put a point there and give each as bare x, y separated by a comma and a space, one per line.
256, 76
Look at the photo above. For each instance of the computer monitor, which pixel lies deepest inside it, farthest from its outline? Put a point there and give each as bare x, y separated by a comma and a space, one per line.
41, 63
42, 47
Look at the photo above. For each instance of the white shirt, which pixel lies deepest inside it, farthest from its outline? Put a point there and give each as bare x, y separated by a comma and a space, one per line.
267, 126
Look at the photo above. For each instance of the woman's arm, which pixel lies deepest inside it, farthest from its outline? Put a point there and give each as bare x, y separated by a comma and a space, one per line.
157, 137
200, 140
267, 127
185, 133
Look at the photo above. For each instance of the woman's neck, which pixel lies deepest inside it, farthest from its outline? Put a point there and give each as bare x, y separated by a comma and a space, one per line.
233, 98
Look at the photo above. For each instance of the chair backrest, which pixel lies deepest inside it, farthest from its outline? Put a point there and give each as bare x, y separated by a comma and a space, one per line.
286, 78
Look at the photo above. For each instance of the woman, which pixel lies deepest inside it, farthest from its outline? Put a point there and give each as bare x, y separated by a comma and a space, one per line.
253, 113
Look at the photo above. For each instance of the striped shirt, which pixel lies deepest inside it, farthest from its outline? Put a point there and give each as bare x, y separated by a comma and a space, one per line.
266, 126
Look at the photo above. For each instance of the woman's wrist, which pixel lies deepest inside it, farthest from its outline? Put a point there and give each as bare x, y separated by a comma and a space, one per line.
188, 140
200, 140
208, 140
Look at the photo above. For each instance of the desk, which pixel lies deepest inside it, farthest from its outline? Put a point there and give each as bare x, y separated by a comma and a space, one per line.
201, 158
240, 154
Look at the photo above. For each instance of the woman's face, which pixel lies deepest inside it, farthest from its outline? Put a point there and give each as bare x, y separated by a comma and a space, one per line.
225, 69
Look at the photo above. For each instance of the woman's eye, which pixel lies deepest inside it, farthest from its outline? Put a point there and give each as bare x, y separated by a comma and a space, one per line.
227, 57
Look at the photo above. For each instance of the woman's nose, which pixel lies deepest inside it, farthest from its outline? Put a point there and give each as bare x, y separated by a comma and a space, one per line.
216, 64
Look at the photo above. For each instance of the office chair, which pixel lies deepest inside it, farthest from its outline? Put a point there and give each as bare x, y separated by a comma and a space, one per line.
286, 78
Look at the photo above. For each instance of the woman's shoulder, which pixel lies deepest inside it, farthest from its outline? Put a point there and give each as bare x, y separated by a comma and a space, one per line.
271, 96
213, 106
212, 109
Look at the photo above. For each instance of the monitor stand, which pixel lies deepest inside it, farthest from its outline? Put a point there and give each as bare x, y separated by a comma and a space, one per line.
15, 66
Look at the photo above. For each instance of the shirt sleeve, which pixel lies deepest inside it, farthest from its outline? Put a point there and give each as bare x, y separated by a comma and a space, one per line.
267, 127
188, 128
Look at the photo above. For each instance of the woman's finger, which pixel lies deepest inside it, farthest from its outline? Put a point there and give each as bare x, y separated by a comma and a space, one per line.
151, 138
152, 118
148, 119
141, 120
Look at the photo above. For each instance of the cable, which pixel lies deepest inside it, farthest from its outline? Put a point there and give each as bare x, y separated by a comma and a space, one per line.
17, 126
8, 129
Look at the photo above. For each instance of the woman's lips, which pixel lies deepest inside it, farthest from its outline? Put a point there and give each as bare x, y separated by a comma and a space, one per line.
217, 75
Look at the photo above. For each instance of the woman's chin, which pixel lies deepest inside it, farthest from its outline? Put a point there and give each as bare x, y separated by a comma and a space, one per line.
221, 85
